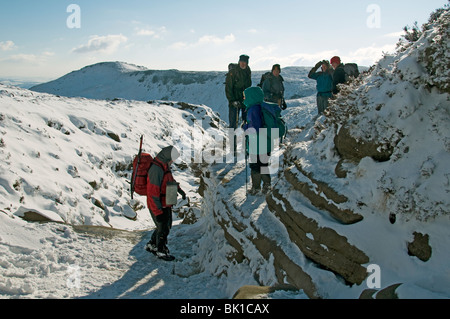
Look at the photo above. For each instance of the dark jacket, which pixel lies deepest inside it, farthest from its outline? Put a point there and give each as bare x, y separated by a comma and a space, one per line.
236, 82
273, 88
338, 77
159, 175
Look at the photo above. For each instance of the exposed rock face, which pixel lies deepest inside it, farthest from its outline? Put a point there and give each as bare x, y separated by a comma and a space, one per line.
322, 245
235, 234
321, 195
355, 149
386, 293
420, 247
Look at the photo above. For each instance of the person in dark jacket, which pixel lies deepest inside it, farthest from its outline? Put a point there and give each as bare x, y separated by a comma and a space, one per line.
159, 176
339, 73
259, 158
324, 84
238, 79
273, 86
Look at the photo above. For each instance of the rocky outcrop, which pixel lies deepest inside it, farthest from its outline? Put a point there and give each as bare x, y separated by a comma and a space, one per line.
420, 247
239, 235
322, 245
386, 293
356, 149
320, 194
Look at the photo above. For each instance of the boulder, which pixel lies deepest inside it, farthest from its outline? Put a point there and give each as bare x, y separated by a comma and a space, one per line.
420, 247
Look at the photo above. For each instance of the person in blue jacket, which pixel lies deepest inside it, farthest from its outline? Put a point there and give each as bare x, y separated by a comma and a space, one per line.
259, 153
324, 84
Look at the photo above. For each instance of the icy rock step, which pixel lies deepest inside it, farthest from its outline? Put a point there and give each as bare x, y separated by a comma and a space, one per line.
322, 245
321, 195
239, 235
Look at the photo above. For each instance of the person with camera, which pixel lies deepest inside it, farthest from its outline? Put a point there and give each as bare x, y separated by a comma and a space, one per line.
324, 80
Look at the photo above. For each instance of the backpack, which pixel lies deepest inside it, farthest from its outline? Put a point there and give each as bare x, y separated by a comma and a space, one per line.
141, 165
264, 78
351, 71
271, 118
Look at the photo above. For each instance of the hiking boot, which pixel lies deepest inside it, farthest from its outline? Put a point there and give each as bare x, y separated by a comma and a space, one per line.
164, 255
151, 248
266, 189
254, 191
267, 185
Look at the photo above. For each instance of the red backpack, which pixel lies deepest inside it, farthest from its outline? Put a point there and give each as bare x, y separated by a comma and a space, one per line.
141, 165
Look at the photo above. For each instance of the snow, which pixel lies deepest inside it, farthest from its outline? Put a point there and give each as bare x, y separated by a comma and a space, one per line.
68, 159
111, 80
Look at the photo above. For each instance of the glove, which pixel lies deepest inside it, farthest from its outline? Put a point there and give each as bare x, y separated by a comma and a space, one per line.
236, 104
319, 64
182, 193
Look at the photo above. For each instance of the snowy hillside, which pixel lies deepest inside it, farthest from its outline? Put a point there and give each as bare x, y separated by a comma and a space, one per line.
70, 158
112, 80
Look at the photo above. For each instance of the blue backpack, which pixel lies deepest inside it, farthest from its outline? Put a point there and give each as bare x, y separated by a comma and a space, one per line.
271, 117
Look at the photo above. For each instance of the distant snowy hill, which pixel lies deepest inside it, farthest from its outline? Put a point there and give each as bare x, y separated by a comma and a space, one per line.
111, 80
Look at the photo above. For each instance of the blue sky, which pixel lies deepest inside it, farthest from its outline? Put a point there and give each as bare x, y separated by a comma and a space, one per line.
36, 42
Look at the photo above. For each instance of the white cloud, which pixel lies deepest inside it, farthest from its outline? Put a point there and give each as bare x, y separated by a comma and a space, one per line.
260, 58
150, 32
179, 45
28, 58
103, 44
367, 56
204, 40
216, 40
7, 46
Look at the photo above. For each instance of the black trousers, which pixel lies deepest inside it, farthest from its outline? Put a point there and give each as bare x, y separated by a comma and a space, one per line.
163, 225
233, 115
258, 161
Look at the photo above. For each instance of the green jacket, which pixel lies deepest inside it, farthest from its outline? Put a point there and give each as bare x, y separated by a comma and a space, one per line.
237, 81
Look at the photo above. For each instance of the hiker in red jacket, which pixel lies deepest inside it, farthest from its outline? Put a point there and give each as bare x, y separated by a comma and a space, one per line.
159, 177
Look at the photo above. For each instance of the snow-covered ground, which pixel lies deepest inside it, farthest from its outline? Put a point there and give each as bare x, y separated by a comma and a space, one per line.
68, 159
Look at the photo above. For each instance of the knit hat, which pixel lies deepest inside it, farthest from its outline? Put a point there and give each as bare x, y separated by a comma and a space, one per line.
244, 58
335, 59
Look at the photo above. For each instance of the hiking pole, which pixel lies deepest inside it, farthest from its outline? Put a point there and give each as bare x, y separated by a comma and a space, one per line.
133, 178
246, 167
